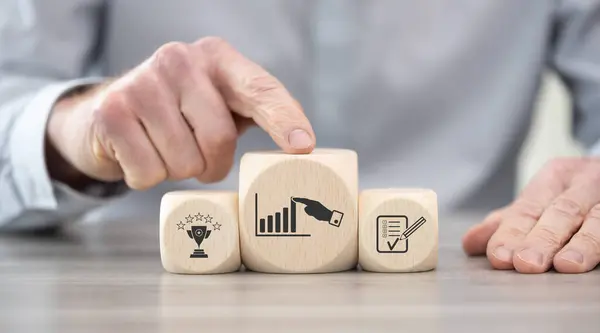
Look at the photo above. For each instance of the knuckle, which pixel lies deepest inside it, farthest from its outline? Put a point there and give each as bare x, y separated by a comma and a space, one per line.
220, 144
259, 87
548, 236
594, 213
260, 84
171, 57
495, 214
146, 181
558, 164
563, 166
218, 171
111, 108
211, 44
186, 170
589, 239
514, 232
527, 208
568, 208
592, 175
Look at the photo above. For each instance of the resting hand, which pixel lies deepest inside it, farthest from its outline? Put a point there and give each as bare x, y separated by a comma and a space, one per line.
555, 221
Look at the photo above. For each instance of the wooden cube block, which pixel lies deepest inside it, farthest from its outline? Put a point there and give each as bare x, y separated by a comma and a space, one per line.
398, 230
199, 232
298, 213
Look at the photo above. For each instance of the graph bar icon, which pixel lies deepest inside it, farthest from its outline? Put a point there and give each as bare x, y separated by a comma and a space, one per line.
280, 224
285, 219
277, 222
293, 214
262, 225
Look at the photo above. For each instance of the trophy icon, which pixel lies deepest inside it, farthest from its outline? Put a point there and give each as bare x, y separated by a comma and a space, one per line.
198, 234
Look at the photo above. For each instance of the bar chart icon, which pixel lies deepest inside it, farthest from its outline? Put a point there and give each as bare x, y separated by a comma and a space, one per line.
280, 224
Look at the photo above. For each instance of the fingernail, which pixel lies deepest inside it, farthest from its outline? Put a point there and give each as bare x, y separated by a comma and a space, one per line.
531, 257
299, 139
503, 254
573, 256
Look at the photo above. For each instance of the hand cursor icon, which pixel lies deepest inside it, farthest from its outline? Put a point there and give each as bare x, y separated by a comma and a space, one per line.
320, 212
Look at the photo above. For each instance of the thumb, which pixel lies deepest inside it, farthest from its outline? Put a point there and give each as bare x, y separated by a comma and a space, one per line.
475, 240
252, 92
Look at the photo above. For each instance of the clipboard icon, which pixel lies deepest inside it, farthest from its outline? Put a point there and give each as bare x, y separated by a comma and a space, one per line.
393, 231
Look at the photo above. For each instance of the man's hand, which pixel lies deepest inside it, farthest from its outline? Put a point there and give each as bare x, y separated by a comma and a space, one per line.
555, 221
177, 115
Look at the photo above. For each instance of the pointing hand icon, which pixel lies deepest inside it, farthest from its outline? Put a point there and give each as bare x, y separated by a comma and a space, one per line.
319, 211
315, 209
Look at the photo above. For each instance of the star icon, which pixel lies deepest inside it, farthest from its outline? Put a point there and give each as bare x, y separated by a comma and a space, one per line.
199, 217
189, 218
208, 219
180, 225
217, 226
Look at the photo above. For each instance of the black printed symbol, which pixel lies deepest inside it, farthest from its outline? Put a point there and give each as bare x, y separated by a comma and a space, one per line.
198, 233
320, 212
284, 223
393, 231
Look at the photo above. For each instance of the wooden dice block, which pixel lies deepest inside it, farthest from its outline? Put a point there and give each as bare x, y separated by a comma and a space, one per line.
298, 213
199, 232
398, 230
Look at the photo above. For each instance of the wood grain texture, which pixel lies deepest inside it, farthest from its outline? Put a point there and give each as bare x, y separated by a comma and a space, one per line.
398, 230
108, 278
208, 217
298, 213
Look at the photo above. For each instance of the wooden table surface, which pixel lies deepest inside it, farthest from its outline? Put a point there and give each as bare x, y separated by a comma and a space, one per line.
107, 277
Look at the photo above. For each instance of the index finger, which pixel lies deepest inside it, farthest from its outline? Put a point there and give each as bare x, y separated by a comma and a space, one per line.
250, 91
521, 216
562, 218
303, 200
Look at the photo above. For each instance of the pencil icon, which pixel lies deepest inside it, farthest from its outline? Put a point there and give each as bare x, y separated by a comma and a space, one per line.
413, 228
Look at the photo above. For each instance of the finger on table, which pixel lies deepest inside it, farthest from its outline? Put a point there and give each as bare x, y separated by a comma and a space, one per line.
582, 252
475, 240
559, 222
252, 92
522, 215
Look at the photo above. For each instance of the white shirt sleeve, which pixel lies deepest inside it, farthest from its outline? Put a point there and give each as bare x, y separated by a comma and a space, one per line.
44, 50
576, 57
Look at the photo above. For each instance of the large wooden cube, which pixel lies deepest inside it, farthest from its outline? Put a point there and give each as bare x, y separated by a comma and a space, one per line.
298, 213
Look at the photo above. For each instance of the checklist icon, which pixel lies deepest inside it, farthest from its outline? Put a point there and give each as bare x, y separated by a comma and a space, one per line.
393, 232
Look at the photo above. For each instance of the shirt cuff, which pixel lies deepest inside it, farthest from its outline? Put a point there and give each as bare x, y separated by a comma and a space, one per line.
336, 218
32, 181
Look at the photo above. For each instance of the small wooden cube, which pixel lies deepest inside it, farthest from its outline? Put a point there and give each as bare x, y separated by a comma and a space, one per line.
298, 213
199, 232
398, 230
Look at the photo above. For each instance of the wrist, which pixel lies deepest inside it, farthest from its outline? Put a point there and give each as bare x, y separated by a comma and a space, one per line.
62, 139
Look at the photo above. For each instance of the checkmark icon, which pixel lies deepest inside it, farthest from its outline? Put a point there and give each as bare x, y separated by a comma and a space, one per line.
392, 246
